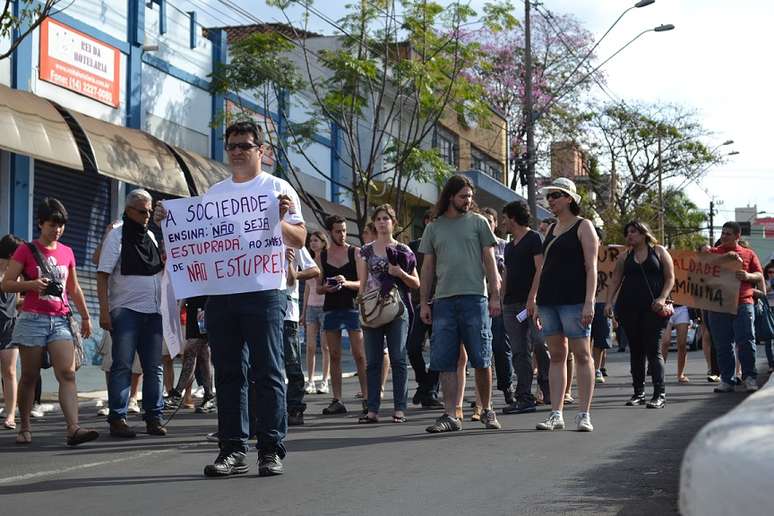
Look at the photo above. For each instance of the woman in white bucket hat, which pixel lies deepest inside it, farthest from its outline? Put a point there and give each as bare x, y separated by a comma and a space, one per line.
565, 299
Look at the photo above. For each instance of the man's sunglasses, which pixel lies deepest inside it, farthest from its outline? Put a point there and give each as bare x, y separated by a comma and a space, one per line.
555, 195
241, 146
144, 212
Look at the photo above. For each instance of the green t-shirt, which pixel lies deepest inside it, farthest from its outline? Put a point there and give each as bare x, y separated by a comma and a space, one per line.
457, 246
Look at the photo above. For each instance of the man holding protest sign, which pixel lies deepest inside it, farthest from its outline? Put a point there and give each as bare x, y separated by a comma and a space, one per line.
727, 328
230, 245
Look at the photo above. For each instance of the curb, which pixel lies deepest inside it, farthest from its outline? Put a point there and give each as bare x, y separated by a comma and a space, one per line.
727, 467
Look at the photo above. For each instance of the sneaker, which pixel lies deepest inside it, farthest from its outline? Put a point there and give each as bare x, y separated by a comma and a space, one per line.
476, 416
522, 406
154, 427
724, 387
212, 437
309, 387
583, 422
750, 384
658, 401
133, 407
336, 407
431, 403
227, 464
103, 411
37, 410
120, 428
445, 423
269, 463
599, 377
489, 418
604, 371
207, 405
636, 400
322, 387
295, 418
198, 393
171, 402
568, 399
712, 378
554, 421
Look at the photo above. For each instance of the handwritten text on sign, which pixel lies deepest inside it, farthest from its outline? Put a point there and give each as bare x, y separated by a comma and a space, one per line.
223, 244
706, 281
606, 261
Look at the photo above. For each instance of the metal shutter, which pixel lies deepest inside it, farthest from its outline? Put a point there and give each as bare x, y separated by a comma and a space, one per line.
87, 200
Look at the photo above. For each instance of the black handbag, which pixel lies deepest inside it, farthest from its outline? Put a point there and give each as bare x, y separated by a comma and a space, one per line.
764, 321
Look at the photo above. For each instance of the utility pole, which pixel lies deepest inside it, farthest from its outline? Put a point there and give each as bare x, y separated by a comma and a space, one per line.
660, 195
529, 110
712, 222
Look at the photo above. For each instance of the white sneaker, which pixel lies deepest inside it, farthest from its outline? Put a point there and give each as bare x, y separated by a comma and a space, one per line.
554, 421
37, 410
198, 393
309, 387
750, 384
133, 407
322, 387
583, 422
103, 411
724, 387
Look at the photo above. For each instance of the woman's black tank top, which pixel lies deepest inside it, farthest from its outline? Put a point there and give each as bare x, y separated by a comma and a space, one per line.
343, 299
563, 280
634, 293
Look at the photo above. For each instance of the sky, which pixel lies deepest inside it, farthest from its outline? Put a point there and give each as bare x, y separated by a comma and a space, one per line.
715, 62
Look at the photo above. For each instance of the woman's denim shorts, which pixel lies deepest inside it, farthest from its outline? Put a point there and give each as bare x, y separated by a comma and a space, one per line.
342, 320
37, 330
314, 315
564, 320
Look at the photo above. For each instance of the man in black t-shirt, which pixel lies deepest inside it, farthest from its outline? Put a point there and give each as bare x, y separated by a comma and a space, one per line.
523, 257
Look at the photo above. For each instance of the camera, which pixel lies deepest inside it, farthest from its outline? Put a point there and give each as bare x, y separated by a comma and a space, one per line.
55, 288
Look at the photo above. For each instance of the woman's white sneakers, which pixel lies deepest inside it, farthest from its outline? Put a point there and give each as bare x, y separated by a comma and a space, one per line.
555, 421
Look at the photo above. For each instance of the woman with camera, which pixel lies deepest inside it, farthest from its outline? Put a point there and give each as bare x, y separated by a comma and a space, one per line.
645, 276
386, 270
48, 268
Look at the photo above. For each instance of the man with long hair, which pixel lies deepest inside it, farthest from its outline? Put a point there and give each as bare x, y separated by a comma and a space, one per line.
458, 248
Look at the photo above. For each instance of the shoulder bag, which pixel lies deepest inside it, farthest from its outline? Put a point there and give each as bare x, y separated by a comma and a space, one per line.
669, 307
764, 321
73, 325
377, 309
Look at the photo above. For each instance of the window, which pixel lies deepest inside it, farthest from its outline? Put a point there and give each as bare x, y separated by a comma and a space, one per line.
487, 165
446, 143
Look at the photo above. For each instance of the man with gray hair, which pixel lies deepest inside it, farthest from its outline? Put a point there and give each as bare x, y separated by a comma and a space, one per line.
129, 289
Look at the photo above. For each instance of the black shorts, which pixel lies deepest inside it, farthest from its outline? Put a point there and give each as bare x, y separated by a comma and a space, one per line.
6, 332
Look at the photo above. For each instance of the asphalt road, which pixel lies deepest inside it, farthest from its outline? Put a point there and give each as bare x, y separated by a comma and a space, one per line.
628, 465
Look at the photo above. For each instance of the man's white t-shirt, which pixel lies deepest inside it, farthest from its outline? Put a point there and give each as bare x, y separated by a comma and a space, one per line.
304, 262
264, 182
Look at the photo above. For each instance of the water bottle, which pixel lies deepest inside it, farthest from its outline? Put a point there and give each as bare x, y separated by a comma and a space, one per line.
200, 321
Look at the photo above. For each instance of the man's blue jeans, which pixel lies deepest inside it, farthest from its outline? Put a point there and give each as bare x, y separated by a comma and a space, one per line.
295, 387
135, 332
729, 329
245, 332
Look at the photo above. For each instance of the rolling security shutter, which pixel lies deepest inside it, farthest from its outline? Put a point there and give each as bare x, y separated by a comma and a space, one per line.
87, 200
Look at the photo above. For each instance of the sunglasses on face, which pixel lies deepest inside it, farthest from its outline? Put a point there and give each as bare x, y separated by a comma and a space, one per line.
144, 212
555, 195
245, 146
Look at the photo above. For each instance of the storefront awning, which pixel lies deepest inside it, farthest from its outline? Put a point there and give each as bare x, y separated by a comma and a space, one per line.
31, 125
133, 156
204, 171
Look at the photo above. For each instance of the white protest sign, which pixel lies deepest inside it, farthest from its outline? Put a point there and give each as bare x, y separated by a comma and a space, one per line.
224, 244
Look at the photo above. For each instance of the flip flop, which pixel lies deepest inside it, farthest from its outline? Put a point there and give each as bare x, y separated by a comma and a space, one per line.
399, 419
23, 437
366, 420
9, 425
81, 436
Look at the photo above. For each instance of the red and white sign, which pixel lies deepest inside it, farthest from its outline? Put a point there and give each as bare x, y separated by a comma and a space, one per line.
73, 60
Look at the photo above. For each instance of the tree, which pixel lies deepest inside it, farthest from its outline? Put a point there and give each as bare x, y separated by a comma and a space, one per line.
559, 42
31, 13
395, 68
640, 143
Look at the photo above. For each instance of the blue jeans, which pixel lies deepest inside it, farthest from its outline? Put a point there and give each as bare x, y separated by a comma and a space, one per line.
135, 332
295, 397
503, 357
395, 334
245, 332
727, 330
461, 319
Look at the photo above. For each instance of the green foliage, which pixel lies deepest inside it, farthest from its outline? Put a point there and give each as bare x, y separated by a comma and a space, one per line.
31, 14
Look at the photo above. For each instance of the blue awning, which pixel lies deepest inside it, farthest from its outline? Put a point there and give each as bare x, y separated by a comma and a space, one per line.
491, 192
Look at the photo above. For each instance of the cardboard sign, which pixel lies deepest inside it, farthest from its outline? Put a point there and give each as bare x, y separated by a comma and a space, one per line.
224, 244
73, 60
706, 281
607, 258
